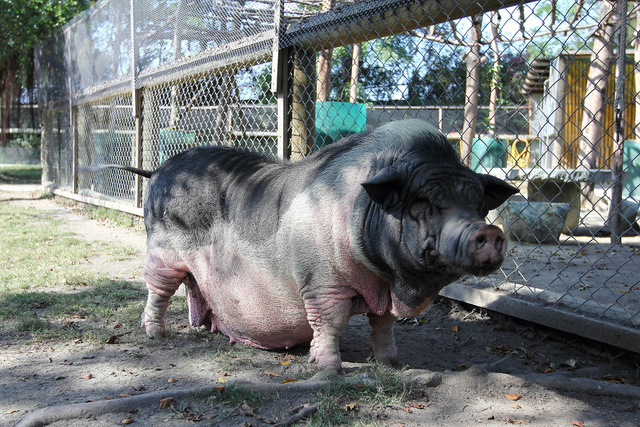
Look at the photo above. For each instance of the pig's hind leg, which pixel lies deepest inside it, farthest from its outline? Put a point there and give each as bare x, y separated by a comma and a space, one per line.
163, 280
381, 338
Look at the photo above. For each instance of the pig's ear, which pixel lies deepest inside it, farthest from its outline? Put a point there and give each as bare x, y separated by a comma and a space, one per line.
384, 184
496, 191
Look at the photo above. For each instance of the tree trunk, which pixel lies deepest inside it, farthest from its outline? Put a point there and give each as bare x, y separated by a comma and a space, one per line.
324, 64
636, 60
495, 74
355, 73
472, 60
595, 97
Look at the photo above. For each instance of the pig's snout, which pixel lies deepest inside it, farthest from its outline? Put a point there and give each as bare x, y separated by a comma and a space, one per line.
487, 247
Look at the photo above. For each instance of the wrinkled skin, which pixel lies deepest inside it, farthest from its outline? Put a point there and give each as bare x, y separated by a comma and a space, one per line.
277, 254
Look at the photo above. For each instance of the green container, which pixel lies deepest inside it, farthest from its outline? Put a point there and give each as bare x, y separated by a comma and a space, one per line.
335, 120
631, 169
487, 153
174, 141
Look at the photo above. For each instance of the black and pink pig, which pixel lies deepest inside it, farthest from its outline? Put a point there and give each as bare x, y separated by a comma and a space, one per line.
275, 254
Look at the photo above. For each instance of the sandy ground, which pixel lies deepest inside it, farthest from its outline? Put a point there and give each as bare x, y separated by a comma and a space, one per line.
465, 366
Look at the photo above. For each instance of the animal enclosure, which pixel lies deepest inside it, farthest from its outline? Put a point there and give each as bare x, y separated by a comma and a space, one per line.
541, 94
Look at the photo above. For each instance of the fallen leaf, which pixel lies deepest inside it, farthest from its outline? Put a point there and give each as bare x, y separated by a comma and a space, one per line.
416, 405
117, 325
246, 408
517, 421
577, 424
126, 421
290, 380
455, 328
285, 362
111, 340
124, 395
12, 411
406, 409
514, 396
615, 379
516, 406
220, 388
221, 380
272, 374
351, 406
359, 386
164, 403
172, 380
86, 377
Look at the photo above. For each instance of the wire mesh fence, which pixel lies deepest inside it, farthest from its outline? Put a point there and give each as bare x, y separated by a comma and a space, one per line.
540, 94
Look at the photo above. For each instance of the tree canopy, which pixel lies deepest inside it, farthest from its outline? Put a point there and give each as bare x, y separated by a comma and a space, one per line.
24, 24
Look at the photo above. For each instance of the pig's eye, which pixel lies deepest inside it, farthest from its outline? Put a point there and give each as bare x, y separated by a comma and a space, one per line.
419, 208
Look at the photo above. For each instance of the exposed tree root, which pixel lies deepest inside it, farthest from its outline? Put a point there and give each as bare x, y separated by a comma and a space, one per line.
476, 376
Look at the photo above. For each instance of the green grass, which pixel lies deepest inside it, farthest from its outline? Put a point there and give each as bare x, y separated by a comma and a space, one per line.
339, 402
20, 174
45, 293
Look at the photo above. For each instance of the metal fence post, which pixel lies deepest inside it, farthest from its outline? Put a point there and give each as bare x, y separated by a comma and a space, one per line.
72, 116
615, 219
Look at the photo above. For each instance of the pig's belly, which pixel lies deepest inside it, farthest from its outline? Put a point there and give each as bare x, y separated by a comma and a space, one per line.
248, 302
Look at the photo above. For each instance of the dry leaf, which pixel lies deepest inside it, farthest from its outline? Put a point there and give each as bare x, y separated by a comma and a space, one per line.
517, 421
416, 405
576, 423
516, 406
290, 380
86, 377
172, 380
455, 328
165, 402
221, 380
126, 421
12, 411
514, 396
272, 374
246, 408
220, 388
285, 362
112, 340
351, 406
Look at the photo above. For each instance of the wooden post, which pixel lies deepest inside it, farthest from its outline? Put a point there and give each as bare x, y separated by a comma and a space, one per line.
303, 104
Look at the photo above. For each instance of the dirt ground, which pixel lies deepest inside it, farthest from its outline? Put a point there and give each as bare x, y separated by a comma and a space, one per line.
464, 366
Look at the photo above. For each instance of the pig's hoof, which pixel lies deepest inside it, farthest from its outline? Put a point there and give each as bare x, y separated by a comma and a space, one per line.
389, 361
153, 329
327, 373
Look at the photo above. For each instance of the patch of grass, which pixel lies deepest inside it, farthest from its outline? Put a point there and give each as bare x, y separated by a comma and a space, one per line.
45, 293
20, 174
339, 402
114, 217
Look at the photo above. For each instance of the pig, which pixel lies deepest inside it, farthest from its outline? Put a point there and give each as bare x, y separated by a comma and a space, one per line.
275, 253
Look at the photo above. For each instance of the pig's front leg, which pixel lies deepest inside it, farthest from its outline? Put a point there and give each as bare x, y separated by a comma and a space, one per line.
328, 317
381, 338
162, 282
152, 319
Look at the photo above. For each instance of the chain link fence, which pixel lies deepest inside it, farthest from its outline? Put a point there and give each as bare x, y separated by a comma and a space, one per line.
20, 141
540, 94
